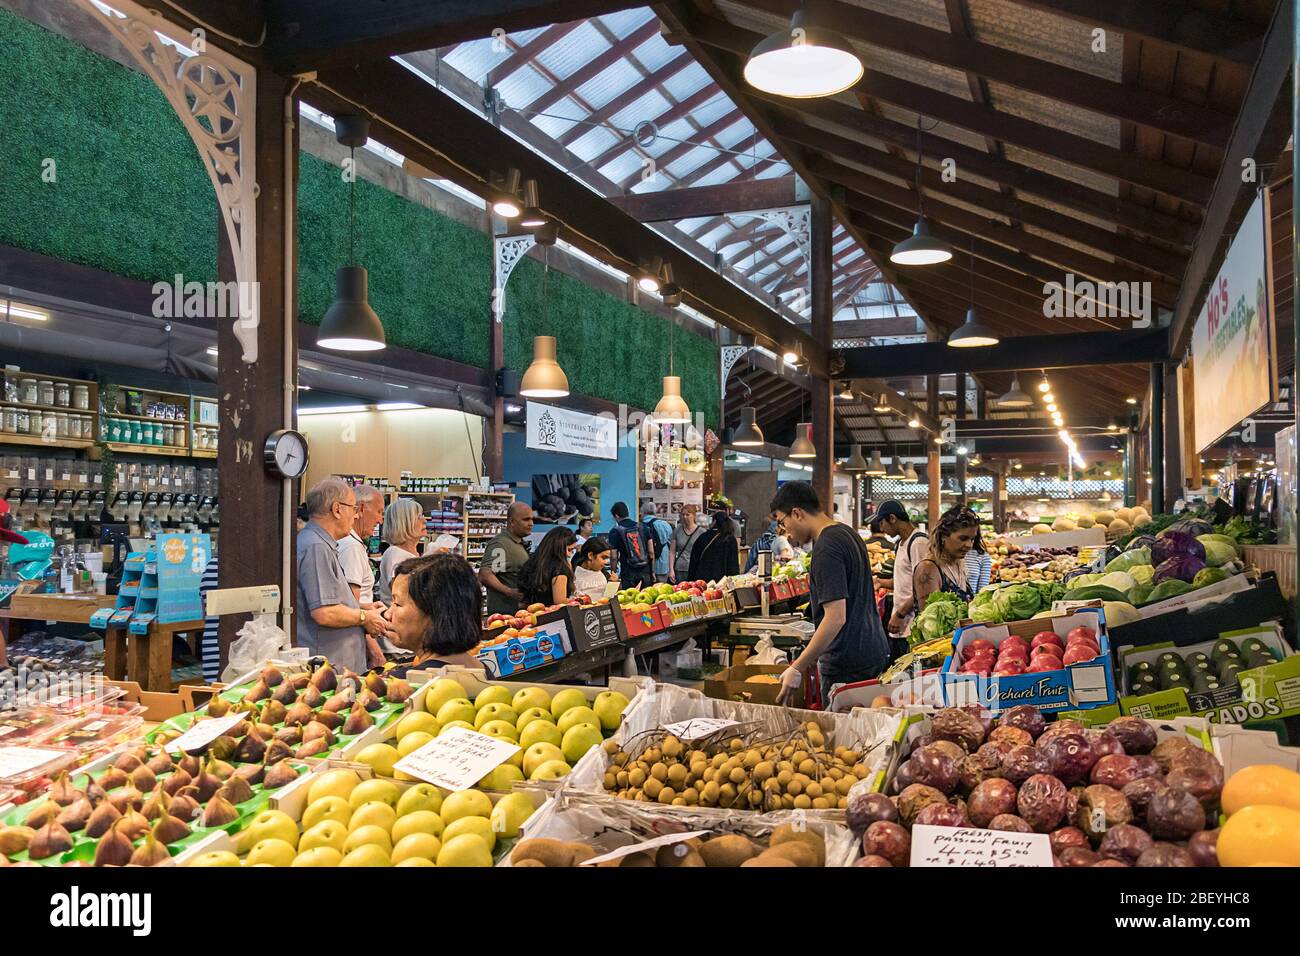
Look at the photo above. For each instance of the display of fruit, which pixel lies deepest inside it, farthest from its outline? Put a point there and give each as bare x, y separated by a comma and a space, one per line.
787, 846
1042, 564
348, 821
642, 599
1045, 651
753, 770
112, 817
1107, 796
1196, 671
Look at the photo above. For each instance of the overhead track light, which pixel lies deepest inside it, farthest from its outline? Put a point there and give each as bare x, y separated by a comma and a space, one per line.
648, 280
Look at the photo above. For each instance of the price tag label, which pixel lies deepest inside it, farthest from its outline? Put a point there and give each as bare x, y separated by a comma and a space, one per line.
697, 727
648, 845
203, 732
81, 478
958, 846
16, 761
457, 759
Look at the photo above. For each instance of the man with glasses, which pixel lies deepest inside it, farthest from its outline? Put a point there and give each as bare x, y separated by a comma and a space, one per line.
330, 619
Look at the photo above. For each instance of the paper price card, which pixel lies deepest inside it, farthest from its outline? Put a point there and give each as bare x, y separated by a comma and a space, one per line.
956, 846
697, 727
457, 759
203, 732
648, 845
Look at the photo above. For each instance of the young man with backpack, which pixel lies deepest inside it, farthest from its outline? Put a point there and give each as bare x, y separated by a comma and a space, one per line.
634, 548
658, 532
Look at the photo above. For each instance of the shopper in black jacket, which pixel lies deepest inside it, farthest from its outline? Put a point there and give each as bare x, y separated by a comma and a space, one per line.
716, 552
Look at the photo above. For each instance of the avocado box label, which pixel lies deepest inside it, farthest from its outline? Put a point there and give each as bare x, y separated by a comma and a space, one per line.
958, 846
457, 759
648, 845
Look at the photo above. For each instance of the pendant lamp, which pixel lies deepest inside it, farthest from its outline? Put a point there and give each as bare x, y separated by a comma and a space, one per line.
350, 324
856, 462
803, 446
803, 61
896, 470
1015, 397
973, 333
910, 474
877, 467
748, 434
920, 248
672, 408
544, 377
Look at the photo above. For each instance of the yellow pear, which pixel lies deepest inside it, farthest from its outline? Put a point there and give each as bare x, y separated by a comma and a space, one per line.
329, 833
384, 791
369, 834
268, 824
478, 825
336, 783
454, 723
578, 739
421, 821
538, 754
318, 856
550, 770
441, 691
272, 852
540, 732
495, 711
609, 707
456, 710
368, 854
412, 742
416, 861
374, 813
567, 699
423, 796
379, 758
501, 778
467, 849
577, 715
531, 697
526, 717
217, 858
424, 845
502, 729
417, 721
493, 694
326, 808
510, 813
465, 803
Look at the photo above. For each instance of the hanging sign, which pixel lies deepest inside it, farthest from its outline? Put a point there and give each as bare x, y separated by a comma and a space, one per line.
551, 428
1234, 359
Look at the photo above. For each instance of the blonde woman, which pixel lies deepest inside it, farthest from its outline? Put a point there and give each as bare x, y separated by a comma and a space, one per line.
402, 529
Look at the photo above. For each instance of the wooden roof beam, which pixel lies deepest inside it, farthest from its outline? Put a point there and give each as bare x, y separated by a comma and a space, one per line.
692, 201
594, 67
629, 96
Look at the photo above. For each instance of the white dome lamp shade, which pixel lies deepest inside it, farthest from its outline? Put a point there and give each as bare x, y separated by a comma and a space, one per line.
920, 248
910, 474
748, 434
972, 333
803, 61
672, 408
876, 469
856, 462
803, 446
1015, 397
544, 377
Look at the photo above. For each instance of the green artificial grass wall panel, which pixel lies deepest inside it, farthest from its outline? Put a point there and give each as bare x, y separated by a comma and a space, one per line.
131, 195
430, 276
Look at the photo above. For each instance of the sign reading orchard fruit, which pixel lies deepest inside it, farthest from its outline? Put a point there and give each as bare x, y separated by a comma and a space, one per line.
457, 758
958, 846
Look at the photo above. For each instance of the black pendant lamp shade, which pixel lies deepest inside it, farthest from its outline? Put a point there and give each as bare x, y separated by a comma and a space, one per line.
748, 434
350, 324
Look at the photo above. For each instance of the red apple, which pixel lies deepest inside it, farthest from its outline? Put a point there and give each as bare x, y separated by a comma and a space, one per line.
1081, 631
1046, 637
1080, 652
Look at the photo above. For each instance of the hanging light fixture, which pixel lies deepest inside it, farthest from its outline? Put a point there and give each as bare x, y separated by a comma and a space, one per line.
648, 280
920, 248
1044, 386
670, 293
896, 470
913, 423
856, 462
748, 434
544, 377
506, 202
1015, 397
672, 408
350, 324
910, 474
846, 393
973, 333
803, 446
803, 61
882, 403
877, 467
532, 216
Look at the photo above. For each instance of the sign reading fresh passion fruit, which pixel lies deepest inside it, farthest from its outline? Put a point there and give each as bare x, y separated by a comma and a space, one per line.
958, 846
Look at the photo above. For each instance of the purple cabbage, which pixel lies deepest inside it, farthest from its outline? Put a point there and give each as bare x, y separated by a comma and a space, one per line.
1141, 541
1181, 567
1193, 526
1176, 543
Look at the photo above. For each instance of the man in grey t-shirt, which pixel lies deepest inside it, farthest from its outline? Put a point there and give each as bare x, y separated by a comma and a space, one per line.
502, 558
330, 620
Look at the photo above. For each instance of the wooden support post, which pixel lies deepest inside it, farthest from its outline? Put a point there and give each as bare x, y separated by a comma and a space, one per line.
932, 452
960, 395
493, 439
256, 537
1157, 439
1173, 432
823, 409
999, 498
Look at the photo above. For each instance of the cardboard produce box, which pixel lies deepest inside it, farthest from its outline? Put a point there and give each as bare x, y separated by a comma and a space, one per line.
641, 623
734, 683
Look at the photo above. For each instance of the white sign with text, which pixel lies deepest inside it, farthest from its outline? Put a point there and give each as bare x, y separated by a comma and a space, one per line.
958, 846
203, 732
551, 428
457, 759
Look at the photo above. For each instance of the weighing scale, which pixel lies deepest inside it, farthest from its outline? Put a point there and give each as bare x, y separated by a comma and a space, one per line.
788, 626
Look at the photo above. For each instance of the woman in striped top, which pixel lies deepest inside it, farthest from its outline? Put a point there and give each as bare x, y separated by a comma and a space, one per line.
979, 566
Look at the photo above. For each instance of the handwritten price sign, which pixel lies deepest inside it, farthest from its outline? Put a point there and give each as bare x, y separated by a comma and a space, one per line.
956, 846
697, 727
203, 732
457, 759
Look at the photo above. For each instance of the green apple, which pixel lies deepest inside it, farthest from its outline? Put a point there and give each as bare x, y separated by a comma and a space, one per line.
495, 694
465, 803
568, 698
578, 739
501, 778
531, 697
337, 783
526, 717
329, 833
367, 791
215, 858
412, 742
423, 796
379, 758
318, 856
540, 732
537, 755
500, 728
367, 854
455, 723
376, 813
609, 707
495, 711
272, 852
509, 814
417, 845
550, 770
326, 808
421, 821
577, 715
456, 710
468, 849
368, 835
482, 826
417, 721
441, 691
268, 825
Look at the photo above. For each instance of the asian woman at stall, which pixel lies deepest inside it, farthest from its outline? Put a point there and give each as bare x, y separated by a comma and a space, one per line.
547, 575
716, 552
436, 612
591, 567
944, 566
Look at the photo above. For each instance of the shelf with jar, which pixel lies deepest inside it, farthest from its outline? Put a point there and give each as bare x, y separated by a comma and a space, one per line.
48, 410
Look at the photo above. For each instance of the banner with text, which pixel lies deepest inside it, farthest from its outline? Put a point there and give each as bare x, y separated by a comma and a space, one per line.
551, 428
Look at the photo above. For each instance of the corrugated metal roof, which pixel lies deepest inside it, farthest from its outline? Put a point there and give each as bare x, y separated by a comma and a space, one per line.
572, 51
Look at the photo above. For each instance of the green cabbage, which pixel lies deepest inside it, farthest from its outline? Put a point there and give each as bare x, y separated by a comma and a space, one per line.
1166, 589
1119, 612
1142, 573
1084, 580
986, 613
938, 618
1019, 602
1217, 553
1138, 595
1118, 580
1129, 559
1205, 539
1209, 575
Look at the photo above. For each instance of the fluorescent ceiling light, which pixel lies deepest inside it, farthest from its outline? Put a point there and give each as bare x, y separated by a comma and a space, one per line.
16, 310
334, 410
397, 406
